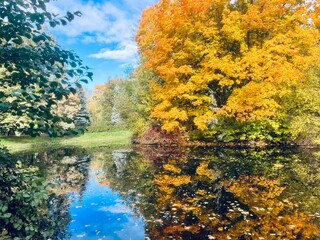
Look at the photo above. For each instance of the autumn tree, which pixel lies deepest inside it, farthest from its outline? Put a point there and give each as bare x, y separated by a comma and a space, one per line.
94, 105
35, 71
226, 58
196, 199
67, 107
104, 105
128, 100
302, 107
100, 109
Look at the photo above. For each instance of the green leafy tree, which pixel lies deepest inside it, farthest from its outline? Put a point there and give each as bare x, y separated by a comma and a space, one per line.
103, 107
302, 108
135, 102
35, 71
97, 109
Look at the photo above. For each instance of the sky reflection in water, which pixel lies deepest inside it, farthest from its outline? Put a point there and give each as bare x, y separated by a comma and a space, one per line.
102, 214
171, 193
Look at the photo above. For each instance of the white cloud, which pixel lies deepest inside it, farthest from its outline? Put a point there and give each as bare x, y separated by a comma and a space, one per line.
111, 25
117, 208
127, 52
137, 6
104, 21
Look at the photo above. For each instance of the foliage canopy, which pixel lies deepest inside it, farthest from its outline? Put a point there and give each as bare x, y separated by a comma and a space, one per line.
226, 58
35, 72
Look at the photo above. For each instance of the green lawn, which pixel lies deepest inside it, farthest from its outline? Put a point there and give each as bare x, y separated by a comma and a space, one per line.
89, 139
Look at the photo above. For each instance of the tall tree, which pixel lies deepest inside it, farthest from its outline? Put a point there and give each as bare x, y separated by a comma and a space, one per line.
36, 71
135, 102
302, 108
229, 58
103, 106
96, 107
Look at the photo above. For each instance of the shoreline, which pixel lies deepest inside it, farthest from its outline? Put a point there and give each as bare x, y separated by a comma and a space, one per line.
234, 144
89, 139
124, 137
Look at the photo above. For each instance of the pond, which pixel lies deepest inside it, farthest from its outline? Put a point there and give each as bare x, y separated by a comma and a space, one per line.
156, 193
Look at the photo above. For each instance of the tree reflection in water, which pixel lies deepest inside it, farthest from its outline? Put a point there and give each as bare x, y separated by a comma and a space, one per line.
179, 193
34, 203
221, 193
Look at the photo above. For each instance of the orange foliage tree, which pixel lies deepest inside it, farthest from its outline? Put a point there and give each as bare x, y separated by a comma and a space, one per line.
226, 58
240, 208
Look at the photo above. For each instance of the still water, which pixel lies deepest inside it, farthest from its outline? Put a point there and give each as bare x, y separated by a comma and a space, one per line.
149, 193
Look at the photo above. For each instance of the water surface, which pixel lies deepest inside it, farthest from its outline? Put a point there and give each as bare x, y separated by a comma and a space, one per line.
149, 193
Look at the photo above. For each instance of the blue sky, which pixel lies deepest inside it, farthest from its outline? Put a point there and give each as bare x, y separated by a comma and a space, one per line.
103, 214
104, 36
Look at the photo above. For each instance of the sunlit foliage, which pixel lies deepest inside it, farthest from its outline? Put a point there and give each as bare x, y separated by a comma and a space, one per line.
302, 107
123, 102
35, 72
234, 59
108, 104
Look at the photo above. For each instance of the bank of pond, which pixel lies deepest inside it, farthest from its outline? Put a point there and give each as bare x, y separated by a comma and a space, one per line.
125, 192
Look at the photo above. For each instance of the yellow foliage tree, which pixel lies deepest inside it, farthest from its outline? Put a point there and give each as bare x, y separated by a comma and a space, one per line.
246, 207
222, 57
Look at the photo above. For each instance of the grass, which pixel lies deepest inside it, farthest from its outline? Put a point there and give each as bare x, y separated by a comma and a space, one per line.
89, 139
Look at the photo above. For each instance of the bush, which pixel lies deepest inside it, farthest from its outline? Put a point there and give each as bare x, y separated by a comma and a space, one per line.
27, 208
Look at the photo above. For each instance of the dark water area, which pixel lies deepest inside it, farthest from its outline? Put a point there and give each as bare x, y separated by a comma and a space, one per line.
154, 193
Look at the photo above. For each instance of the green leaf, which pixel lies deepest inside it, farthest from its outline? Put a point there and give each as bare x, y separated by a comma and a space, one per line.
17, 225
4, 106
72, 90
80, 71
73, 64
69, 16
7, 215
90, 75
53, 24
54, 84
58, 75
78, 85
42, 5
77, 13
4, 208
18, 40
39, 38
84, 80
63, 22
